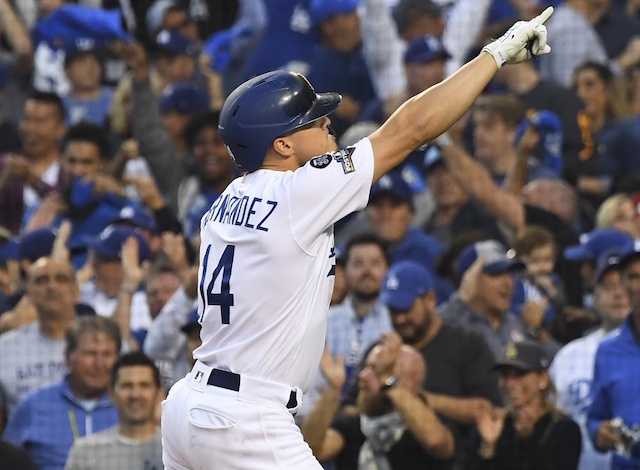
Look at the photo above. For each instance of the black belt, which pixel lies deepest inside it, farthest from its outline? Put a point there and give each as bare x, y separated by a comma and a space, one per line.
230, 381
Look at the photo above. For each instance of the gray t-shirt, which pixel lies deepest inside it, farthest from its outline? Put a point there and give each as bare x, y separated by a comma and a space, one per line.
108, 450
29, 360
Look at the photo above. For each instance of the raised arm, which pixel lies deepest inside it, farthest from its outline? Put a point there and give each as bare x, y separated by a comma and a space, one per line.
17, 34
479, 184
428, 114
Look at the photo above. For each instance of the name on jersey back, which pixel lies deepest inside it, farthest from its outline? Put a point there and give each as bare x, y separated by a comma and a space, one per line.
245, 211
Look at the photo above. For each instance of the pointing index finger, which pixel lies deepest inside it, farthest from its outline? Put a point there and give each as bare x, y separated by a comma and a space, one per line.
544, 16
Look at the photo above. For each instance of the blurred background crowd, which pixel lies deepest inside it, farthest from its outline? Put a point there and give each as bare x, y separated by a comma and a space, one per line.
504, 256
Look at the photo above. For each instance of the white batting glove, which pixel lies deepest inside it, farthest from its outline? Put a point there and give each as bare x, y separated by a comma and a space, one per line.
524, 40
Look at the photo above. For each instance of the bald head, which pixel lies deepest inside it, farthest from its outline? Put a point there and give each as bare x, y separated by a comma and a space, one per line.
52, 287
552, 195
410, 368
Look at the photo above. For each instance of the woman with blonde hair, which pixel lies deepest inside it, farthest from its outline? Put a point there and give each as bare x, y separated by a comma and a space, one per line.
531, 433
619, 211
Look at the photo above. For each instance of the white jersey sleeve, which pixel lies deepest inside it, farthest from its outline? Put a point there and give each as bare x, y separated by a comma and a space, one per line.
267, 262
328, 188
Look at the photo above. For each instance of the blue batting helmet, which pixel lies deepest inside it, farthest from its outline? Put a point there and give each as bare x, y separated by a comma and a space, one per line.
265, 108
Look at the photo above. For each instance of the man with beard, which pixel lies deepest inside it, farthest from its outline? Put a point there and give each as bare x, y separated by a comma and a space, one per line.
361, 319
395, 428
460, 379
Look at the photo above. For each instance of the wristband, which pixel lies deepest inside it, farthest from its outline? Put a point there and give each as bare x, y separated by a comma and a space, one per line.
497, 52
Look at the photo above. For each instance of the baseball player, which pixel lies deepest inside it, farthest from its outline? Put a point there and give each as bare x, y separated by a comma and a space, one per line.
267, 254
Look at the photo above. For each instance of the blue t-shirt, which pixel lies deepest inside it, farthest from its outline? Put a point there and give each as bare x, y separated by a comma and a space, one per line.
95, 111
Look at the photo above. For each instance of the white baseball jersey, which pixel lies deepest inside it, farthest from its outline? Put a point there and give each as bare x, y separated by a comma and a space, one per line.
572, 375
267, 262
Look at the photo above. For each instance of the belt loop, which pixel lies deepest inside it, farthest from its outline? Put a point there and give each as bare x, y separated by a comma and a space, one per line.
295, 401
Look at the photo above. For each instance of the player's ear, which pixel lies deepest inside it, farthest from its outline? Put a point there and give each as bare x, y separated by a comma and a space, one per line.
283, 146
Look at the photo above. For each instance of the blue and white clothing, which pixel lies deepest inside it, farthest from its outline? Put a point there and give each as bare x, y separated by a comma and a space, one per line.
351, 335
524, 291
572, 375
95, 110
616, 388
48, 421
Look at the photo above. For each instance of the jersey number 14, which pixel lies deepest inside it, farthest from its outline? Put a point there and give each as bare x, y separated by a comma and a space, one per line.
224, 299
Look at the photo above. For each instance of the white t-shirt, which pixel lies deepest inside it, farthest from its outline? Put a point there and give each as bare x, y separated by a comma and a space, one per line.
572, 375
267, 261
29, 360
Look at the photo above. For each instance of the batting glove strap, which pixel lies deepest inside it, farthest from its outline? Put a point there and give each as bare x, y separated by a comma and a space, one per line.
522, 41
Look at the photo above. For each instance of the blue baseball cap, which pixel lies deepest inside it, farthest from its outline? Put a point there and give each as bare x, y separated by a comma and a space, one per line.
175, 43
394, 184
8, 245
192, 321
629, 252
35, 244
608, 261
595, 243
109, 243
321, 10
425, 49
9, 251
80, 46
185, 98
138, 217
496, 260
404, 283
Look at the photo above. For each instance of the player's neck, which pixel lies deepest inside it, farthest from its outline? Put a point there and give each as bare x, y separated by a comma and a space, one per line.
138, 431
280, 162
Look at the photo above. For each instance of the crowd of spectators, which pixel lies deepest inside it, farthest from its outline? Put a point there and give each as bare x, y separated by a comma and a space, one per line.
494, 274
